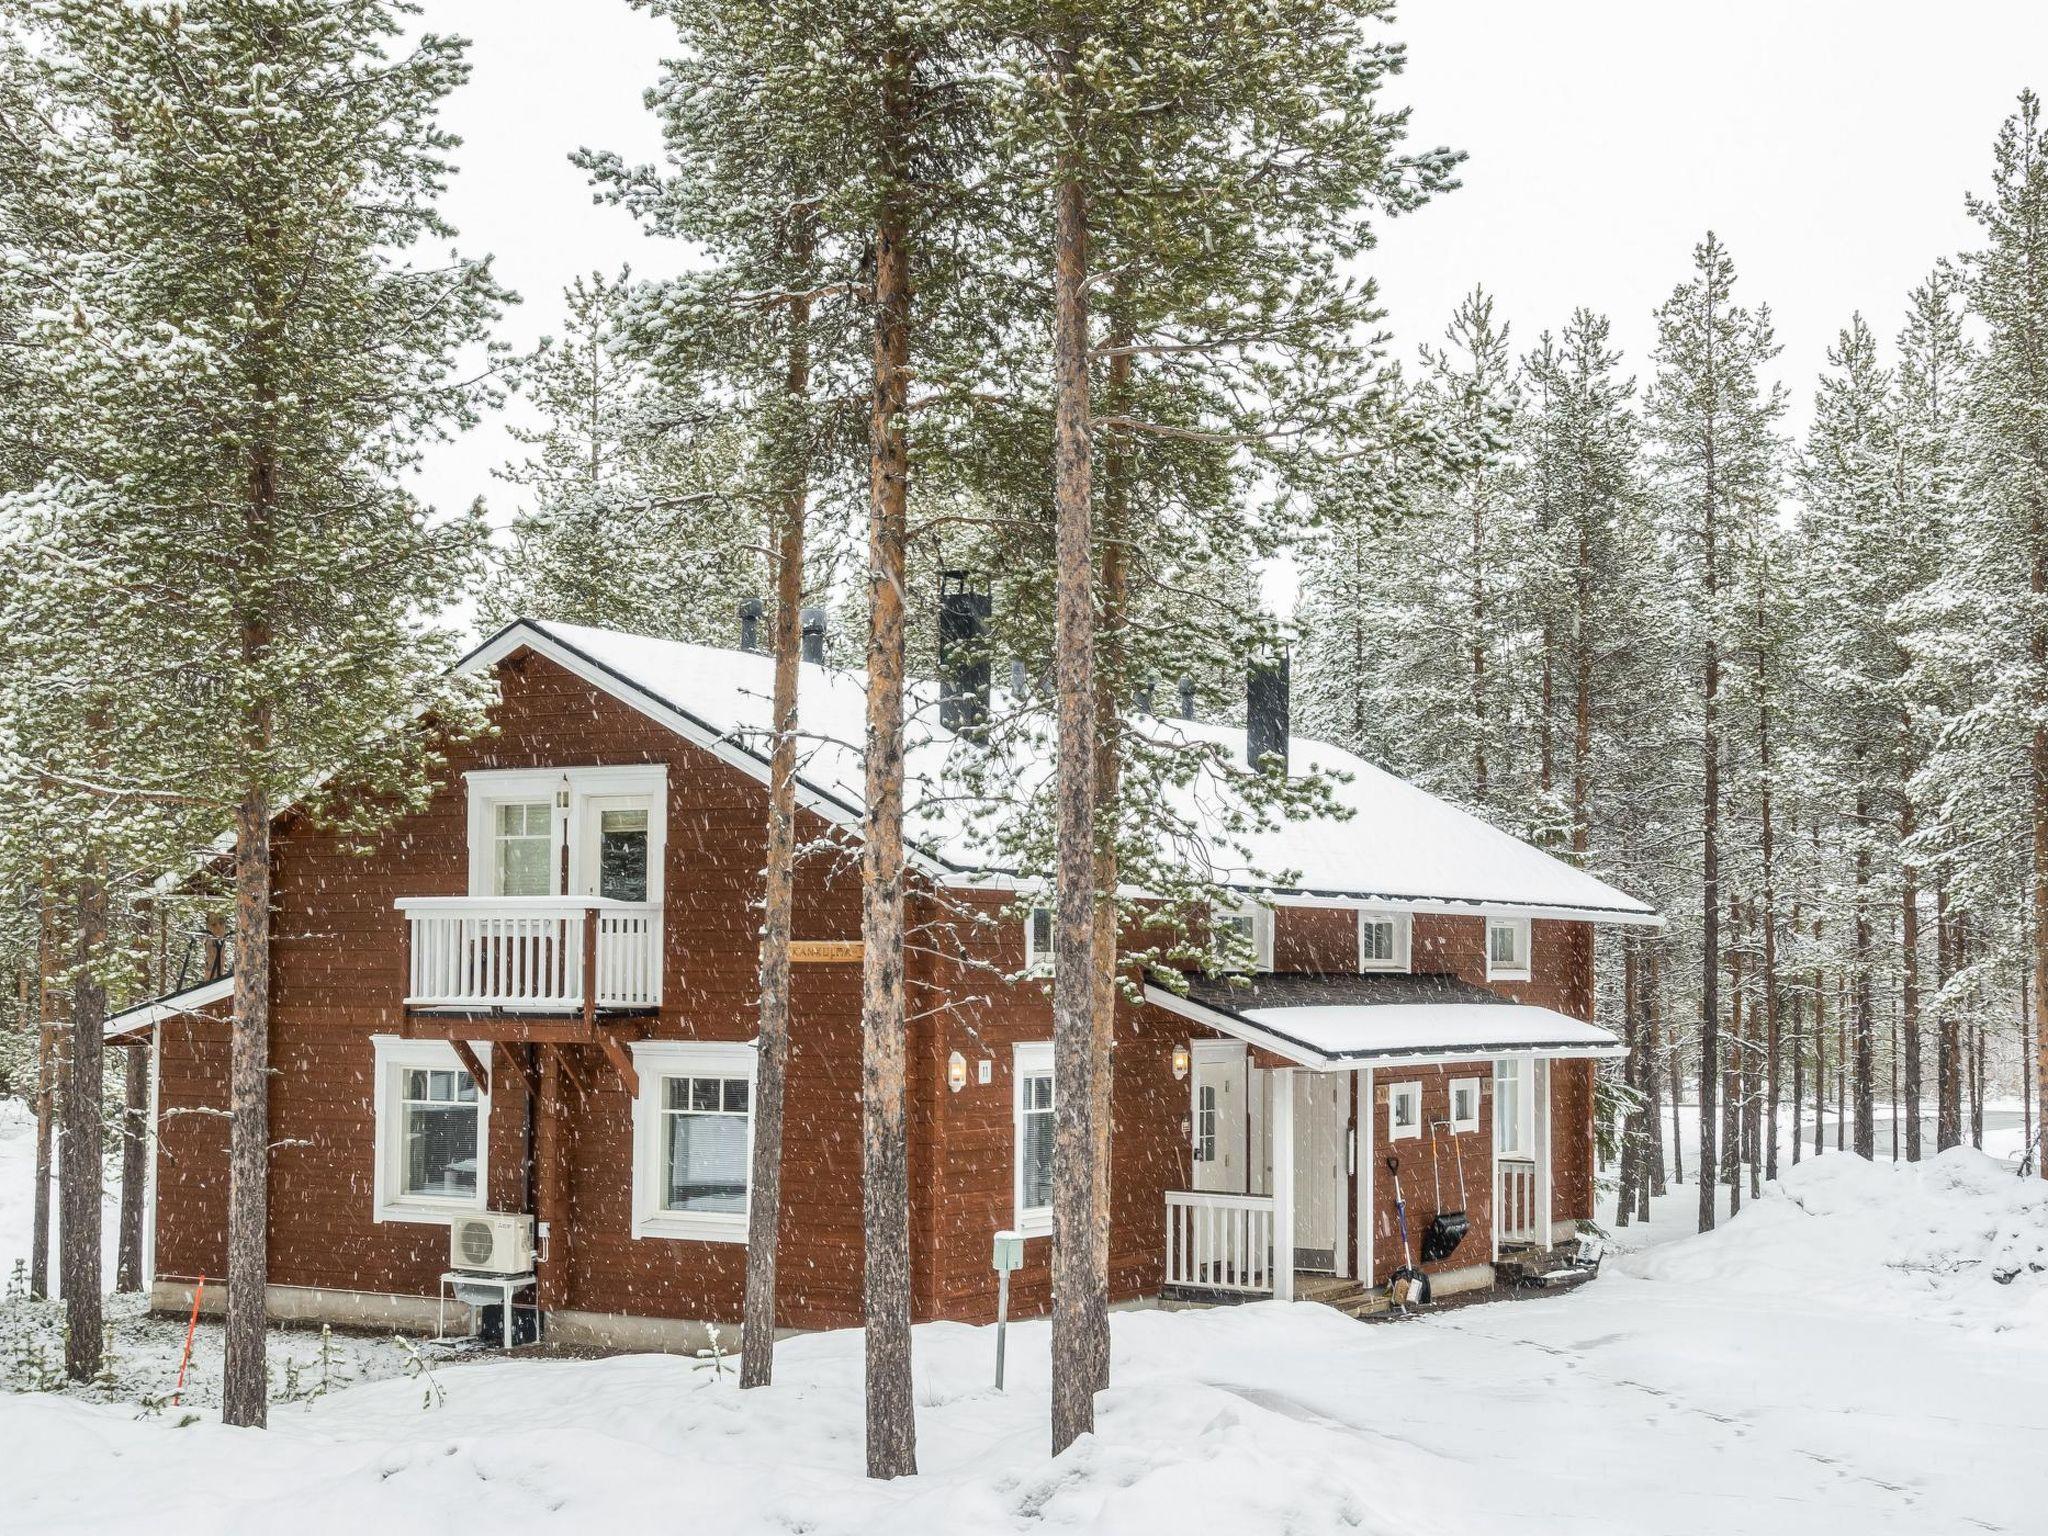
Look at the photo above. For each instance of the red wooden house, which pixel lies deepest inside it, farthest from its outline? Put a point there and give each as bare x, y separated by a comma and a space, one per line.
538, 996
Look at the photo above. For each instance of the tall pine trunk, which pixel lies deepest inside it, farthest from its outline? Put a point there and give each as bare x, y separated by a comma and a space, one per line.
1909, 987
79, 1165
1112, 685
48, 1074
134, 1167
1948, 1073
245, 1388
1710, 859
1773, 1046
1653, 1054
778, 878
1076, 1287
885, 1293
1731, 1082
1865, 1022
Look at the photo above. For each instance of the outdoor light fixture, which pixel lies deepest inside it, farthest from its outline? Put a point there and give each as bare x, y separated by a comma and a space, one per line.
1182, 1060
956, 1072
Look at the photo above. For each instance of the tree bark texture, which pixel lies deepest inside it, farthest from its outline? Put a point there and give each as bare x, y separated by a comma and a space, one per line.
134, 1168
778, 884
885, 1152
1076, 1287
79, 1161
245, 1389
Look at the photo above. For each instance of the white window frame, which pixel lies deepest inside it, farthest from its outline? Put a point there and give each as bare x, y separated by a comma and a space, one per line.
1518, 971
1028, 1060
656, 1061
1463, 1123
1514, 1104
1398, 1093
393, 1056
1262, 933
1403, 929
569, 790
1038, 958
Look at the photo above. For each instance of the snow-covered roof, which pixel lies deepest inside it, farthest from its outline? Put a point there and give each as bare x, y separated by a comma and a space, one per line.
1352, 1021
133, 1021
1401, 845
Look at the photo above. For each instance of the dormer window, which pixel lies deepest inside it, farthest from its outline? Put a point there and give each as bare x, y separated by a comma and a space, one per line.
1507, 949
1383, 940
1244, 935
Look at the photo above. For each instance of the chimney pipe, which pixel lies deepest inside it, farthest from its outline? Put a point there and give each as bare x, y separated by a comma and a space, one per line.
1265, 712
1020, 681
1187, 698
751, 609
964, 610
1142, 698
814, 635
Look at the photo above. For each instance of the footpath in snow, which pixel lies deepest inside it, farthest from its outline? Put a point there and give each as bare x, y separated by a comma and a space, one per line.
1861, 1351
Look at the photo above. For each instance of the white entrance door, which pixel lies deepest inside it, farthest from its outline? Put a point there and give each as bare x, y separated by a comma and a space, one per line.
1220, 1162
1322, 1117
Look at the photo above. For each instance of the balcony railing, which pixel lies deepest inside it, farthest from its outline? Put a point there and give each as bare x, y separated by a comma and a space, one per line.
532, 954
1219, 1242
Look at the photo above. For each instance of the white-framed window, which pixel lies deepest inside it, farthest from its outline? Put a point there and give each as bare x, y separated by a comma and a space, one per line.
433, 1123
1507, 949
595, 831
1404, 1111
1206, 1108
1383, 941
1464, 1104
1032, 1072
1248, 930
1514, 1108
523, 848
1038, 941
693, 1139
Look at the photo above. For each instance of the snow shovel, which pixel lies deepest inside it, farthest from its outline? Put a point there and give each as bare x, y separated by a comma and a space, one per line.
1407, 1286
1446, 1229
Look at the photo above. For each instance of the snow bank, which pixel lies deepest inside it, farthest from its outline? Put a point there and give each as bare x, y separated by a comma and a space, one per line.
1957, 1238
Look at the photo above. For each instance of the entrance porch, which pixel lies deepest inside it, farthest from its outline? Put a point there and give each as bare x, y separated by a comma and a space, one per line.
1294, 1164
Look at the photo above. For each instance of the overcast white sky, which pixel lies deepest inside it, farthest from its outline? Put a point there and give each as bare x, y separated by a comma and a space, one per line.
1828, 141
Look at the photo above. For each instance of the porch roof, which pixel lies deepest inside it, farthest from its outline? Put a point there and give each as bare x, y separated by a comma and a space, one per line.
1339, 1022
132, 1024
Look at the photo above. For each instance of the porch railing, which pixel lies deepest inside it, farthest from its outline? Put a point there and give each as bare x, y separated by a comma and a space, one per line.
1219, 1242
1517, 1203
532, 954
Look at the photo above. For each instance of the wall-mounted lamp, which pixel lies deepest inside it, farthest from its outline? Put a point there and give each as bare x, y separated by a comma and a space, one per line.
956, 1072
1183, 1059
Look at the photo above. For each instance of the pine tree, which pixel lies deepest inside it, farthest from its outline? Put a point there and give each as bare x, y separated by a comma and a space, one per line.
1711, 423
2007, 540
264, 352
638, 513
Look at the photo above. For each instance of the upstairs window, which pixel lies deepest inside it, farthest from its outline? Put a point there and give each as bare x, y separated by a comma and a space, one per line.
1244, 940
622, 852
1038, 941
523, 848
1507, 949
1383, 941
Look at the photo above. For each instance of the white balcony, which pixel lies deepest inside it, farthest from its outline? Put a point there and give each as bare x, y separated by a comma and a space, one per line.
532, 954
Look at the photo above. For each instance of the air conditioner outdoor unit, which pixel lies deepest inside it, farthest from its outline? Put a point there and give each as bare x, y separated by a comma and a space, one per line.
491, 1243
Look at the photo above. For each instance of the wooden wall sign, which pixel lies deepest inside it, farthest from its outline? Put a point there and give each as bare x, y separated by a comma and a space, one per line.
825, 951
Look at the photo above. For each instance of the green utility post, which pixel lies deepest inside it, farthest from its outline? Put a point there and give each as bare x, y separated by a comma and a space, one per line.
1009, 1256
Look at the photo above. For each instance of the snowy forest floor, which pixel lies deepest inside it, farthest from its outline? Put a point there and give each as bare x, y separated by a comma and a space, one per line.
1861, 1350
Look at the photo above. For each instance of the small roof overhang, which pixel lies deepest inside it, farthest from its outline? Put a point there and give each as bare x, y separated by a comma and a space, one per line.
133, 1023
1343, 1023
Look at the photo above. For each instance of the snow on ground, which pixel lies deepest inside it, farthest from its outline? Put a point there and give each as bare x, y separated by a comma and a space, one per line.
1859, 1351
